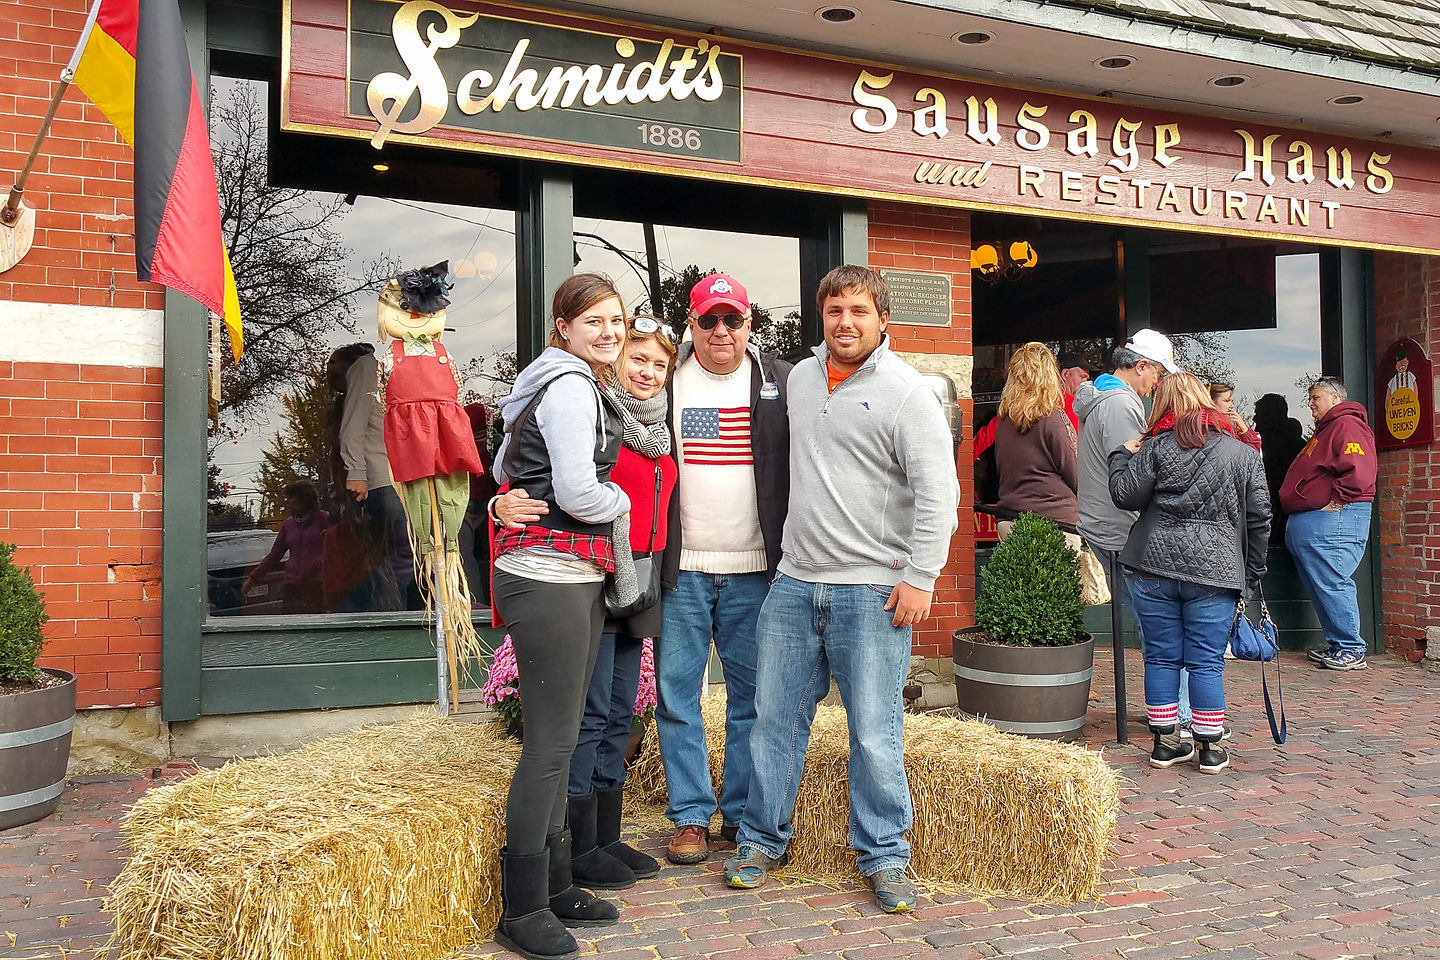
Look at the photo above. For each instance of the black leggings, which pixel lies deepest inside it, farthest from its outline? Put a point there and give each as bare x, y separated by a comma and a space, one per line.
555, 628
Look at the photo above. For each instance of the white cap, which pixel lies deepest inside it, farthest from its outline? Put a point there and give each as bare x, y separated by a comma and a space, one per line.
1154, 345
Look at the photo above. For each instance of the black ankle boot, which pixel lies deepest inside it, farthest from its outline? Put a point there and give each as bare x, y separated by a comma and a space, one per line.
591, 866
1213, 757
575, 907
607, 834
1169, 748
528, 926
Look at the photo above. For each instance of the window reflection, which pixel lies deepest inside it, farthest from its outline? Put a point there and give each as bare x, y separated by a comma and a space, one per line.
302, 517
768, 267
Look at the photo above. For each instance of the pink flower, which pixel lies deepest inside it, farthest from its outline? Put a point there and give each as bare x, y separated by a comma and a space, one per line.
645, 696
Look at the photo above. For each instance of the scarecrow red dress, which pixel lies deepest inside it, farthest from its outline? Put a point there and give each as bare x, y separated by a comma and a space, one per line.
427, 433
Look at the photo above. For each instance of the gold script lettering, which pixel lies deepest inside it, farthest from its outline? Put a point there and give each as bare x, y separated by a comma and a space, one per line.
388, 94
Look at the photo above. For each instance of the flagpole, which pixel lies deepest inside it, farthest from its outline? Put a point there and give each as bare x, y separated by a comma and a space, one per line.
11, 213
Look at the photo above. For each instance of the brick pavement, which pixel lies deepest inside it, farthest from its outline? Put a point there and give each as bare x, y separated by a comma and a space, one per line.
1328, 847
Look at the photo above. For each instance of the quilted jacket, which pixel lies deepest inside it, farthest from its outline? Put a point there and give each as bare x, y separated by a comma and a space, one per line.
1204, 513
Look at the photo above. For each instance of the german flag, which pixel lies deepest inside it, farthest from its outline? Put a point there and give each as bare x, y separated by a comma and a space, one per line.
134, 66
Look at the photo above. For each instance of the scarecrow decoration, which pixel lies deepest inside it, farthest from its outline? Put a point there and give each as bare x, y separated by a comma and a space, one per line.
432, 453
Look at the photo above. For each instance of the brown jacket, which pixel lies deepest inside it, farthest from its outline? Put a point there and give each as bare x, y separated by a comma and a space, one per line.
1037, 467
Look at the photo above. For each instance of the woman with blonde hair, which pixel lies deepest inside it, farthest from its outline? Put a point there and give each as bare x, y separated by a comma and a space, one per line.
1035, 442
1198, 546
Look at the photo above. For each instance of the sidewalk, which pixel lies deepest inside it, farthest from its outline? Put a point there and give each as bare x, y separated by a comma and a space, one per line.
1327, 847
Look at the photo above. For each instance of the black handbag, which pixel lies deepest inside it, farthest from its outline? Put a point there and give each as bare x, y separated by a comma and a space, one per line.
1260, 643
647, 568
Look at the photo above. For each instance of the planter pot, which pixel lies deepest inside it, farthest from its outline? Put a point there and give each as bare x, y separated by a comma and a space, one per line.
1035, 691
35, 731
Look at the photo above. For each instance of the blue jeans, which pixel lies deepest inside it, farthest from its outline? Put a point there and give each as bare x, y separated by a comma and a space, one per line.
702, 606
807, 632
1327, 546
1186, 626
1111, 560
599, 759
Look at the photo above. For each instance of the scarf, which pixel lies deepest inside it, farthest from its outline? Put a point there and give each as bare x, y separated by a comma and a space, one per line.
1209, 418
644, 421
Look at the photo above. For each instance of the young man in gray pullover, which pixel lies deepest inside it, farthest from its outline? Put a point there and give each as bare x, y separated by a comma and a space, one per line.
873, 500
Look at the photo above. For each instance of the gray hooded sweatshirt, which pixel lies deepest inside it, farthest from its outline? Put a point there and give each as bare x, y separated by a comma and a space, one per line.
873, 493
568, 417
1110, 413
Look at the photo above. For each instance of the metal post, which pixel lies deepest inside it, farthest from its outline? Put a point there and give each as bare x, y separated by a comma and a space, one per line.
1117, 640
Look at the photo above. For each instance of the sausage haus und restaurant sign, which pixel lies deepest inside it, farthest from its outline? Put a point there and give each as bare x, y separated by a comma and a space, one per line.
517, 81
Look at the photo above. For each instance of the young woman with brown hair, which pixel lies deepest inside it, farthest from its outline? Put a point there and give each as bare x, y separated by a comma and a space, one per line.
562, 438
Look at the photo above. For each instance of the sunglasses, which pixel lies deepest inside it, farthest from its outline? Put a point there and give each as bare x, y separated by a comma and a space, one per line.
649, 325
707, 321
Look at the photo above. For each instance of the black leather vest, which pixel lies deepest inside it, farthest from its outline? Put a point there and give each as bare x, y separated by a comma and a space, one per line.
527, 462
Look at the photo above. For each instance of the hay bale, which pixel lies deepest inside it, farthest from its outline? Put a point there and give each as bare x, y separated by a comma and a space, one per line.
995, 814
379, 843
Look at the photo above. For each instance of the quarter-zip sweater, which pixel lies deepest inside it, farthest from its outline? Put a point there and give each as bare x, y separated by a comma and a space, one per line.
873, 494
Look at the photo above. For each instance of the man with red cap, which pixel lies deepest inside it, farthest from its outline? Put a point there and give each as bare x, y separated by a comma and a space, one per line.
732, 438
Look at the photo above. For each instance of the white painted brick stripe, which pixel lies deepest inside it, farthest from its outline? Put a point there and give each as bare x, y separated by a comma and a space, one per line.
65, 333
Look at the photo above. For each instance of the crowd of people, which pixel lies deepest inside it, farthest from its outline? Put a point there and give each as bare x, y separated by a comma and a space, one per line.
703, 492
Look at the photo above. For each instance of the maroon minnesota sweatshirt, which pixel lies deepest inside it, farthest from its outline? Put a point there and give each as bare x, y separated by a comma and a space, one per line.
1337, 464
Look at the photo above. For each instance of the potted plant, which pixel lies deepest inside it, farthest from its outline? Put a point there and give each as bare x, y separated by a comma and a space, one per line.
37, 705
1025, 666
501, 692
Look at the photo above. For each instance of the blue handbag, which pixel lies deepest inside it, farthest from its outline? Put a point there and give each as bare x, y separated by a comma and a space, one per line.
1254, 641
1260, 642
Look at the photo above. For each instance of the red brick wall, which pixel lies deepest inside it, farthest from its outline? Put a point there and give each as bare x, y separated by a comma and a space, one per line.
1407, 304
909, 237
80, 475
79, 439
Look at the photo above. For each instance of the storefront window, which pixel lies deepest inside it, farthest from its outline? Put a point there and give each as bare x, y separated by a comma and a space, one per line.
285, 535
767, 266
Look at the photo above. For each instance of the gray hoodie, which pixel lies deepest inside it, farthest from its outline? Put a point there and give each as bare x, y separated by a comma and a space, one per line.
873, 493
1110, 413
568, 417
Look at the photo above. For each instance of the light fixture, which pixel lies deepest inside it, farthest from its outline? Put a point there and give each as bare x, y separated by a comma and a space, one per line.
974, 37
837, 14
1004, 260
380, 166
1115, 63
1347, 100
1229, 80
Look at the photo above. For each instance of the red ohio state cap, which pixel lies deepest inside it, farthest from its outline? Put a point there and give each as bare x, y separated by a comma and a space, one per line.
718, 289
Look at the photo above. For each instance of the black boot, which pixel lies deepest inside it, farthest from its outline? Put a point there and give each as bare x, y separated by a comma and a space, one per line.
1169, 748
607, 834
528, 926
575, 907
591, 866
1213, 757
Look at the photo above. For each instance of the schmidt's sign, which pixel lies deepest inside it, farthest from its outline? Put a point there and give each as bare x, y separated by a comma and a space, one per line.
420, 65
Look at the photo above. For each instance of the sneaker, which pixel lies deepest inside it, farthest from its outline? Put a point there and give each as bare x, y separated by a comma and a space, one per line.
728, 832
750, 867
893, 890
1187, 734
1318, 654
1343, 660
689, 844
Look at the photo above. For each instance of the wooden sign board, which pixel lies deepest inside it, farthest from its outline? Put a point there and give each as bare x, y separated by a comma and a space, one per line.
575, 88
1404, 398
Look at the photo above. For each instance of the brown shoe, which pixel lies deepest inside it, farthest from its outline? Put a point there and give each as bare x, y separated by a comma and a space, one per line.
729, 832
689, 844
